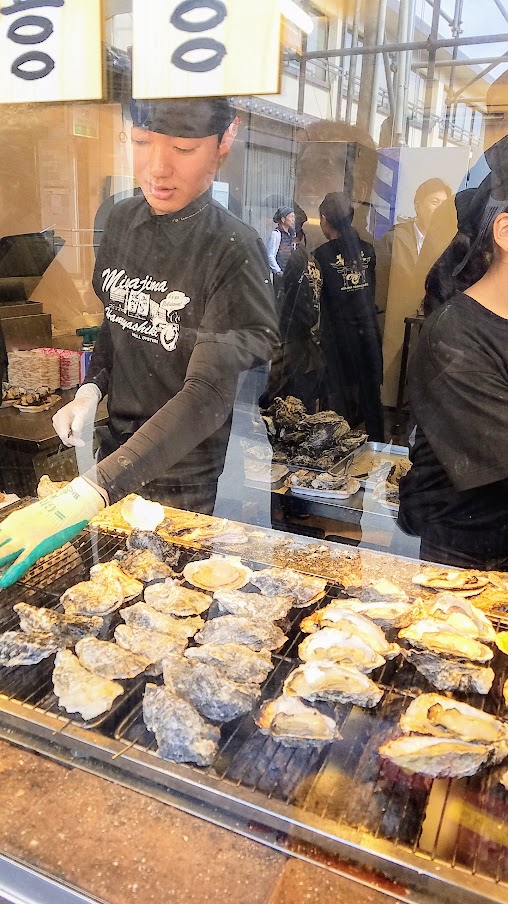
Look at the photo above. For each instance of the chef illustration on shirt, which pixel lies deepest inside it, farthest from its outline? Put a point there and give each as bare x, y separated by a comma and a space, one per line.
188, 309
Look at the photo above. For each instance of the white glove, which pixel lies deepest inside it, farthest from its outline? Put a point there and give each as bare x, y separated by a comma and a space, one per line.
70, 420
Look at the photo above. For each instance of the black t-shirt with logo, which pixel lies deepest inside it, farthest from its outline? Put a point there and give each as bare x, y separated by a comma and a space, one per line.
456, 494
188, 307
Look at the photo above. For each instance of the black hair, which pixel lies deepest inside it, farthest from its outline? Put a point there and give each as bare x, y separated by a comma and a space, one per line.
430, 187
337, 209
441, 283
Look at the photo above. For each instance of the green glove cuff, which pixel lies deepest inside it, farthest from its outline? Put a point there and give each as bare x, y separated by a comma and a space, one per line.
21, 566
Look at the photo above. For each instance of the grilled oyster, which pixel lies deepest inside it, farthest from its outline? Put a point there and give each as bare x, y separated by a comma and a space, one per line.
466, 582
143, 565
505, 692
461, 616
144, 616
385, 613
111, 571
108, 659
234, 629
236, 661
182, 735
253, 605
142, 514
378, 591
285, 582
18, 648
337, 615
438, 757
97, 597
450, 675
66, 629
79, 691
148, 539
431, 634
340, 646
324, 680
432, 714
217, 571
502, 641
214, 696
292, 723
173, 599
151, 645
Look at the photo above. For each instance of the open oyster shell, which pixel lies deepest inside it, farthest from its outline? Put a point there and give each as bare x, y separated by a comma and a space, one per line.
340, 646
449, 674
292, 723
329, 681
437, 757
337, 615
465, 582
217, 571
385, 613
461, 616
432, 634
432, 714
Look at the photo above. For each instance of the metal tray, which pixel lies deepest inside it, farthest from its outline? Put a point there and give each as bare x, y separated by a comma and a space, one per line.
369, 453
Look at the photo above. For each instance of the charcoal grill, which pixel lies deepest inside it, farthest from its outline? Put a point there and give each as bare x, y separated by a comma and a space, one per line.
443, 839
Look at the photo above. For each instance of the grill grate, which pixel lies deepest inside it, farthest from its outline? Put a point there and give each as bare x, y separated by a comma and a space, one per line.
344, 790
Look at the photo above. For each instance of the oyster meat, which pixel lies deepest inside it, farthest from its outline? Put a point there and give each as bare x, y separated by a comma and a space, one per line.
217, 571
143, 565
451, 675
150, 645
66, 629
340, 646
234, 629
108, 659
467, 582
144, 616
18, 648
182, 734
337, 615
294, 724
378, 591
321, 679
437, 757
253, 605
215, 697
148, 539
385, 613
285, 582
236, 661
109, 571
173, 599
79, 691
432, 714
432, 634
461, 616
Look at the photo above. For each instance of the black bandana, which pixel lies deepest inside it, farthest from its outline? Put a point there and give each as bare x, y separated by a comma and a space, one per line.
183, 118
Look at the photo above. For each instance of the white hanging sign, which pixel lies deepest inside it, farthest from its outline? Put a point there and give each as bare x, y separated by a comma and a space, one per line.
200, 48
50, 50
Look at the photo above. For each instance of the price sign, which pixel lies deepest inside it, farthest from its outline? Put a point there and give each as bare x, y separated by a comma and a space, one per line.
200, 48
50, 50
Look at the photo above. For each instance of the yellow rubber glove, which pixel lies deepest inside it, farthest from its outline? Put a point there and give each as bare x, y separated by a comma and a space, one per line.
40, 528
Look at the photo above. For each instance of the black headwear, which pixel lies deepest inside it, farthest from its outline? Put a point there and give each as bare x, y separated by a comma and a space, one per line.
182, 117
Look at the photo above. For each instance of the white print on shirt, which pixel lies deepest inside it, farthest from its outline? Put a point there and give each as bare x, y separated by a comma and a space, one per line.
160, 319
353, 276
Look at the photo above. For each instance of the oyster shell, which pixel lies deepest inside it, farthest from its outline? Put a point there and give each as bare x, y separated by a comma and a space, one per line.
432, 714
144, 616
66, 629
151, 645
148, 539
324, 680
305, 588
437, 757
340, 646
18, 648
235, 629
466, 582
79, 691
292, 723
182, 734
109, 660
217, 571
93, 598
143, 565
505, 692
378, 591
450, 675
111, 571
431, 634
173, 599
214, 696
142, 513
337, 615
253, 605
385, 613
461, 616
236, 661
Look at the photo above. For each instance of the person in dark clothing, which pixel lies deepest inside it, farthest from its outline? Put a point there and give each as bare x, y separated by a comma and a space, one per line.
455, 497
188, 308
4, 361
280, 245
350, 336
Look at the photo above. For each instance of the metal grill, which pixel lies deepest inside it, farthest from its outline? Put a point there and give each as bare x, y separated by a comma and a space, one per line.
342, 797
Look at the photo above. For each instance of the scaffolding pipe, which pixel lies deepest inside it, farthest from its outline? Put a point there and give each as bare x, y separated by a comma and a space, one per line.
501, 9
380, 36
495, 61
340, 81
400, 78
427, 45
431, 71
444, 15
302, 77
352, 63
450, 103
409, 54
476, 61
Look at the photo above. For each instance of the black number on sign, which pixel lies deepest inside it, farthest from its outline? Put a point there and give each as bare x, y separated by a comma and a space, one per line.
35, 56
45, 26
212, 62
178, 20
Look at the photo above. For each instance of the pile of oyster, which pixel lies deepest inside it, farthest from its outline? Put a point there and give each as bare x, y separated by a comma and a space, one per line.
444, 738
309, 440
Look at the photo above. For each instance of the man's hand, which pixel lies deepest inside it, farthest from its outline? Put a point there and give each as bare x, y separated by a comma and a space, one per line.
70, 420
38, 529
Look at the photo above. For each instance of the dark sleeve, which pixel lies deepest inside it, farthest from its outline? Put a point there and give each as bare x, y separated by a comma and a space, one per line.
462, 408
239, 329
4, 361
101, 361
